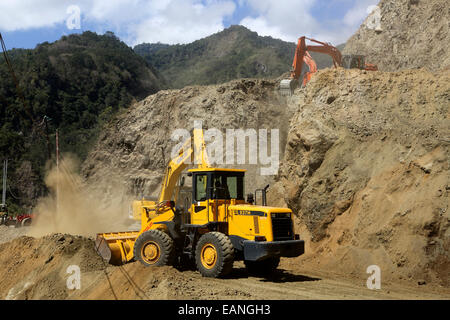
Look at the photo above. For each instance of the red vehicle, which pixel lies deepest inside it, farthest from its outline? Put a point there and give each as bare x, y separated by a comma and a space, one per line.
23, 220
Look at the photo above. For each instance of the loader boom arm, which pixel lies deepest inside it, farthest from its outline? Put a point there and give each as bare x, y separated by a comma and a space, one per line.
193, 151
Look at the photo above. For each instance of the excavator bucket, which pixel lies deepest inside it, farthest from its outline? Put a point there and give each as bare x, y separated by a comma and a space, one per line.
116, 247
287, 86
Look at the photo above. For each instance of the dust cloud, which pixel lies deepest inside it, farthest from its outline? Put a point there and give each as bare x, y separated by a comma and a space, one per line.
74, 207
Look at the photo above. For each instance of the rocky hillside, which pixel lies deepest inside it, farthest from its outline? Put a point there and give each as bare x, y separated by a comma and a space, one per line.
365, 165
135, 148
233, 53
412, 34
366, 170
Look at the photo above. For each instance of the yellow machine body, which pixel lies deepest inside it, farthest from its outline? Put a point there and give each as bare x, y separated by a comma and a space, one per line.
247, 224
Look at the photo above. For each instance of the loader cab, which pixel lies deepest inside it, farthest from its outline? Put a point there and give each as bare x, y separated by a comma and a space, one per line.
212, 190
217, 184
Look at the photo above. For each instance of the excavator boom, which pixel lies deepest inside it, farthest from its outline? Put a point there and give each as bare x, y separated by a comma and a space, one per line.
301, 55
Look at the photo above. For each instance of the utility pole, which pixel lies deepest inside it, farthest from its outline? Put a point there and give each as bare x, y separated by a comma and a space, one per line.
47, 135
3, 208
57, 172
5, 173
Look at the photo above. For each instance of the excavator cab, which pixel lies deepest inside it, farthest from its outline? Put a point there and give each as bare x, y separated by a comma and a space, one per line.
353, 61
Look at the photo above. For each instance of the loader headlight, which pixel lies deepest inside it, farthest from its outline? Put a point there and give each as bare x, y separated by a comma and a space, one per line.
280, 215
260, 238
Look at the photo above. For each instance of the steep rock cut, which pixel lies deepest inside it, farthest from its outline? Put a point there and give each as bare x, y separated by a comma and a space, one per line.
366, 170
136, 147
411, 34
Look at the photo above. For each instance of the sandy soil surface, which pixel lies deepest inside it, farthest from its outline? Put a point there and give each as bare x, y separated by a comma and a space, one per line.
36, 268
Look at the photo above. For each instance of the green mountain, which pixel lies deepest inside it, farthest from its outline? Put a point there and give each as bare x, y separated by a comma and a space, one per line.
233, 53
79, 83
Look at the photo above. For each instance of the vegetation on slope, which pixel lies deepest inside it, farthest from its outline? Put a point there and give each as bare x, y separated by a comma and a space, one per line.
78, 83
233, 53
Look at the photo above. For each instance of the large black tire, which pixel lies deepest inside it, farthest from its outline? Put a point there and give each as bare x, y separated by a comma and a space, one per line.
154, 248
265, 267
214, 255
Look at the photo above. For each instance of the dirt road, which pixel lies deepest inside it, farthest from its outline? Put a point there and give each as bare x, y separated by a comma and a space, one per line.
38, 268
135, 282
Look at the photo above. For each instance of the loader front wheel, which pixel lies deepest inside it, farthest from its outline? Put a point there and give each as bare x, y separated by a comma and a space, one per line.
154, 248
214, 255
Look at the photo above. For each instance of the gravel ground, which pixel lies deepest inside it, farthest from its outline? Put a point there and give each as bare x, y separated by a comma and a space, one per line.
9, 233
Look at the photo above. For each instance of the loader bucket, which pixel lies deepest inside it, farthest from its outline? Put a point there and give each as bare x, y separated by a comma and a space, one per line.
117, 247
287, 86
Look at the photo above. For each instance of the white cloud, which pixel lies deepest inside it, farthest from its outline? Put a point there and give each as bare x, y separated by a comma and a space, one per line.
168, 21
284, 19
27, 14
183, 21
290, 19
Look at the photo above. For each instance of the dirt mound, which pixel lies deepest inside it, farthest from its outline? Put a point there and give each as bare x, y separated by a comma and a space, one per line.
366, 170
37, 268
411, 34
135, 149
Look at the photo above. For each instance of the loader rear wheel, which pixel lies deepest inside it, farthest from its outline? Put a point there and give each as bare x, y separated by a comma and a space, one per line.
214, 255
154, 248
262, 268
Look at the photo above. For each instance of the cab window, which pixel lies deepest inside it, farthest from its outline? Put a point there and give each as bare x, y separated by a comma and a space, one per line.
201, 187
232, 183
228, 186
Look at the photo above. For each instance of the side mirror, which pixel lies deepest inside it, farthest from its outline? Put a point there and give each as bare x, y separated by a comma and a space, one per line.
182, 181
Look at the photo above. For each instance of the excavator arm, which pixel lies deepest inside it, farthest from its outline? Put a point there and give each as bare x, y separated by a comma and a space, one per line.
302, 51
302, 55
297, 64
312, 68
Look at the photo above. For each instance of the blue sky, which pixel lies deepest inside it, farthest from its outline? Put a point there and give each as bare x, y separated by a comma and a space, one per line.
25, 23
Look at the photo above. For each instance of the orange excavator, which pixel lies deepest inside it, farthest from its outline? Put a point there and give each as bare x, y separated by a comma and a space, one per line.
302, 55
312, 67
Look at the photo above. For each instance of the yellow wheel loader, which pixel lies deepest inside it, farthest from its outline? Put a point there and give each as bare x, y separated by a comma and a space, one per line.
210, 222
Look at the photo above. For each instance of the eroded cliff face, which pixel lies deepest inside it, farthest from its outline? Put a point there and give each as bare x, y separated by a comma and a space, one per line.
136, 148
411, 34
366, 170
